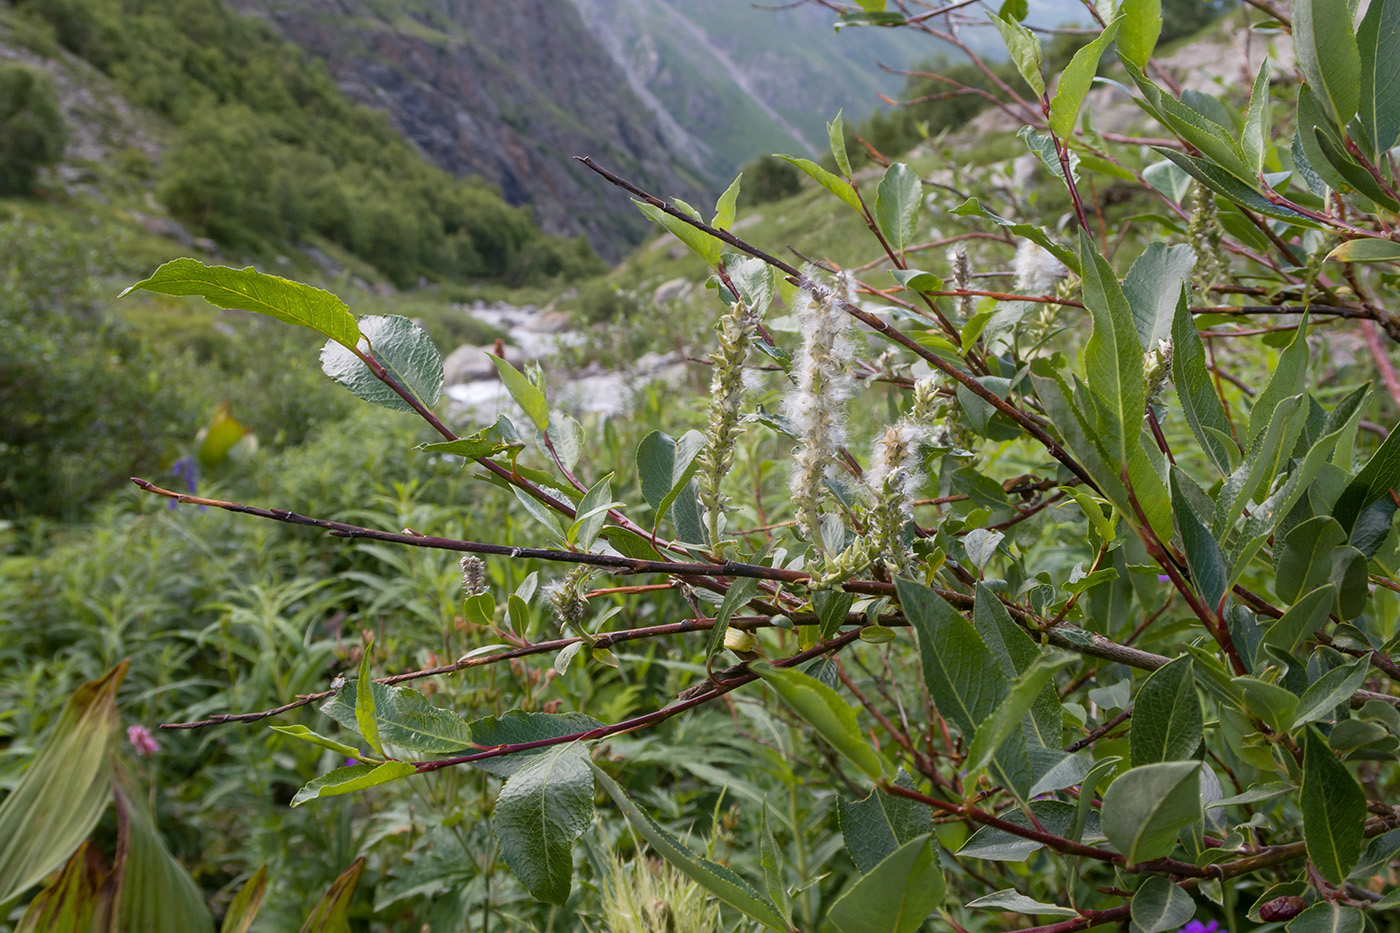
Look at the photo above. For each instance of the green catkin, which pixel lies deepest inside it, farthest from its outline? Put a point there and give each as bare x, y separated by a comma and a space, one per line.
569, 604
736, 329
1205, 235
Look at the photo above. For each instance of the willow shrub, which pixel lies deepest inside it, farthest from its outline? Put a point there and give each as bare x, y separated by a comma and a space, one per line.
1103, 629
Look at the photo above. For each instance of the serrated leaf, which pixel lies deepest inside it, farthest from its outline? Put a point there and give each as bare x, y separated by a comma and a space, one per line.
1076, 80
1153, 287
352, 778
1167, 718
544, 806
875, 827
406, 352
517, 727
896, 896
726, 205
1146, 806
1334, 810
1025, 51
833, 183
822, 708
1327, 55
499, 438
897, 201
718, 880
526, 394
404, 719
332, 912
250, 290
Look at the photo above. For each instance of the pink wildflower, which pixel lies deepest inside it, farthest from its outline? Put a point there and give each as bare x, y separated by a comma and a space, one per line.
142, 741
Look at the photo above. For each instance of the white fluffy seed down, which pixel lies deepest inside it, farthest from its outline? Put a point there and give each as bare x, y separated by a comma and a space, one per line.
1037, 271
895, 463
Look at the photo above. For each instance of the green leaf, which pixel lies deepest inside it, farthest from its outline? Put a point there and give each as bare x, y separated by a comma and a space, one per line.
973, 207
1199, 402
1076, 80
896, 896
1009, 899
1328, 917
897, 202
1327, 55
1373, 484
917, 280
404, 719
1016, 653
1288, 379
704, 245
1153, 287
332, 912
836, 137
1141, 25
875, 827
306, 735
1334, 810
71, 902
1042, 145
822, 708
1349, 575
1357, 177
1267, 457
833, 183
544, 806
1025, 51
365, 719
1367, 249
352, 778
499, 438
1255, 139
718, 880
870, 6
1113, 357
517, 727
592, 513
1222, 182
1160, 905
665, 466
156, 894
1146, 806
1208, 571
1378, 45
1273, 704
246, 903
1201, 131
406, 352
64, 791
771, 860
832, 607
250, 290
962, 677
526, 394
871, 19
1167, 719
741, 591
1054, 816
1006, 718
1306, 560
726, 206
1331, 690
1308, 614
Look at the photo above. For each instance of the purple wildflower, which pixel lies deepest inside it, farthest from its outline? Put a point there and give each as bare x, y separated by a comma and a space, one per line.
1196, 926
187, 469
142, 742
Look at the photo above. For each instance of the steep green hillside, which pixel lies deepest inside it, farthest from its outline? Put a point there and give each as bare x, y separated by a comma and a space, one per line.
265, 149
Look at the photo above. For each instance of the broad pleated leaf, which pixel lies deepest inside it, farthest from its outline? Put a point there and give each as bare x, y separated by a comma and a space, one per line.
544, 806
64, 791
332, 912
74, 902
896, 896
156, 894
406, 352
251, 290
243, 910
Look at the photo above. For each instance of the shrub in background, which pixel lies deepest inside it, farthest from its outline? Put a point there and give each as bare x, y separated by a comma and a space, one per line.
32, 134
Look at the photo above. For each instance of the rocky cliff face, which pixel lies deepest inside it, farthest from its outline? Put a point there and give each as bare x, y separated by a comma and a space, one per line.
507, 91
